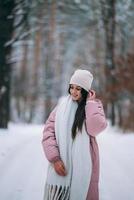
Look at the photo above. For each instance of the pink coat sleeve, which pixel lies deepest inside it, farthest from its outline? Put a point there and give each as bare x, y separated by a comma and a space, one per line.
49, 140
95, 117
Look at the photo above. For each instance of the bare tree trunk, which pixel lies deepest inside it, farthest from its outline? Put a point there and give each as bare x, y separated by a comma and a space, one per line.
23, 79
36, 65
108, 17
6, 29
50, 58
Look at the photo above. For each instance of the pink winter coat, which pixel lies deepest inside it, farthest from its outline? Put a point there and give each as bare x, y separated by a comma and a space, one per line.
95, 123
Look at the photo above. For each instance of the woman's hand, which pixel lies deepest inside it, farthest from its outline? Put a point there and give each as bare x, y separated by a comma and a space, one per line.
91, 95
60, 168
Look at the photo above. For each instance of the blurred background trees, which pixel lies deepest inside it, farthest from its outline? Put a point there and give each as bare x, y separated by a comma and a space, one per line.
6, 30
50, 39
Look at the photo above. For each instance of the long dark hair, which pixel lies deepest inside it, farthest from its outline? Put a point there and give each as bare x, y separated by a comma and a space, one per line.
80, 113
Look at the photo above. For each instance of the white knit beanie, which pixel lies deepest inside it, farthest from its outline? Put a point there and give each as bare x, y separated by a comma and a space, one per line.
82, 78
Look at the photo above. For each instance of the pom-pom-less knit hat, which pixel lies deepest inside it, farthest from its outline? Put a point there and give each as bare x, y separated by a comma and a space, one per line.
82, 78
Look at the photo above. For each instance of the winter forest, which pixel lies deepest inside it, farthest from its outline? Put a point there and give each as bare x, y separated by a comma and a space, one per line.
43, 42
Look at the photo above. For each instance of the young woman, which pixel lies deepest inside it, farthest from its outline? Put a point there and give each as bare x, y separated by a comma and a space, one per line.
70, 145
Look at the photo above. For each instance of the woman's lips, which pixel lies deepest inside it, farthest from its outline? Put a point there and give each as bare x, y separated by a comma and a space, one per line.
75, 96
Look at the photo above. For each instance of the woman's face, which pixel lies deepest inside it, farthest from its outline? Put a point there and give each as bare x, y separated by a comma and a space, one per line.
75, 92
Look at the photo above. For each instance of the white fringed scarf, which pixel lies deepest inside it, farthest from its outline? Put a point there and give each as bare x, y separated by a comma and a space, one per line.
75, 155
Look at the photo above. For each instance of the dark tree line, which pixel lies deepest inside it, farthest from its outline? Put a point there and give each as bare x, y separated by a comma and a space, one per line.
8, 9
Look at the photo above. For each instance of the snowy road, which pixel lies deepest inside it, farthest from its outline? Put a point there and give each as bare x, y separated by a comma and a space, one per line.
23, 165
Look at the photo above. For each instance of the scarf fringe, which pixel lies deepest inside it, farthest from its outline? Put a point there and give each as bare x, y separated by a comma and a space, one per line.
55, 192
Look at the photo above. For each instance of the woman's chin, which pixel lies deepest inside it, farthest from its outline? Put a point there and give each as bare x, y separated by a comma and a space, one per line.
74, 98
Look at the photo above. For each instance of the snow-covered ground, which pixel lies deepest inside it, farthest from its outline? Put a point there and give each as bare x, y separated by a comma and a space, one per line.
23, 165
116, 165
